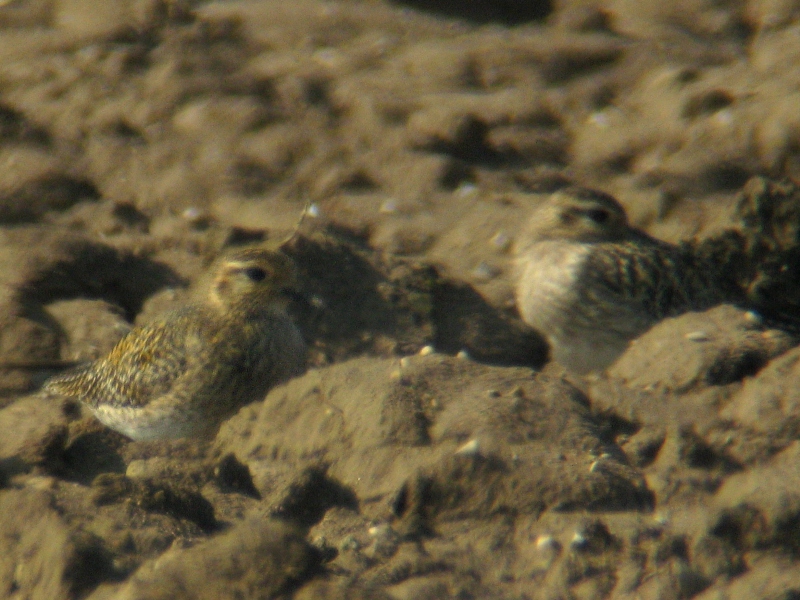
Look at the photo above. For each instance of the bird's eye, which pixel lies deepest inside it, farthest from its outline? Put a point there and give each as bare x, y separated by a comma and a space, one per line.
255, 273
598, 215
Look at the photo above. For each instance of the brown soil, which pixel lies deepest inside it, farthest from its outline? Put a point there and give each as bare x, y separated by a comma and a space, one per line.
430, 451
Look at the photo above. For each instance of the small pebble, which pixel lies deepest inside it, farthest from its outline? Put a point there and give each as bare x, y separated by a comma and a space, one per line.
598, 464
192, 213
753, 317
485, 271
195, 217
599, 119
501, 241
578, 540
328, 57
697, 336
313, 210
471, 448
723, 117
463, 355
379, 530
547, 542
388, 206
385, 541
426, 350
466, 189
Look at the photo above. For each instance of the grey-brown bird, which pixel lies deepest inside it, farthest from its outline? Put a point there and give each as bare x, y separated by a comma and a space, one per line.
185, 372
590, 283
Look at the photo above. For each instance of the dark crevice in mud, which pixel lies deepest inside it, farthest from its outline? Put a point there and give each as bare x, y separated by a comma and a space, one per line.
506, 12
91, 270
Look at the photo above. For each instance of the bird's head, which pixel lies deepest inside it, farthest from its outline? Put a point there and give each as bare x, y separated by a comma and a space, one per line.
256, 277
580, 215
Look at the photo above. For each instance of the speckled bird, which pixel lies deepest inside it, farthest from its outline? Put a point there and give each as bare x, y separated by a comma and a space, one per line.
590, 283
184, 373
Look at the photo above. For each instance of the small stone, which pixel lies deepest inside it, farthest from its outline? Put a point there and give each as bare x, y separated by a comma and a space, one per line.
697, 336
471, 448
192, 213
388, 207
578, 540
547, 542
753, 317
386, 540
661, 519
466, 189
484, 271
501, 241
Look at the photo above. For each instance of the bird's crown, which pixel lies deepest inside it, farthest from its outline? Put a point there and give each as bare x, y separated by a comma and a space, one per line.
579, 214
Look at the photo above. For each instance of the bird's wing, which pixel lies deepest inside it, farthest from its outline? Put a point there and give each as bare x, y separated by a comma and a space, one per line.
638, 284
145, 364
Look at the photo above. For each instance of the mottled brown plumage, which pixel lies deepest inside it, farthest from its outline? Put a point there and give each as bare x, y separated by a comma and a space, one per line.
590, 283
185, 372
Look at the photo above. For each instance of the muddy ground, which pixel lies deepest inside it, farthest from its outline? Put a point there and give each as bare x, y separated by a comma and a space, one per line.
430, 451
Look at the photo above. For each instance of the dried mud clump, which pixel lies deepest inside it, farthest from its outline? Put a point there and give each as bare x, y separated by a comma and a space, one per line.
763, 254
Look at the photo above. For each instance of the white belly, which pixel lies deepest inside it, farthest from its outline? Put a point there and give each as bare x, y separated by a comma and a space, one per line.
153, 423
549, 300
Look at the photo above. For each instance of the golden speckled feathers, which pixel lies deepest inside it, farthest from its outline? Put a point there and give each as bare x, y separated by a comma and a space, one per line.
184, 373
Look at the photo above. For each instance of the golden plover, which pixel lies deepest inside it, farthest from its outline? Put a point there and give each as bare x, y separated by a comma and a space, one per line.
185, 372
590, 283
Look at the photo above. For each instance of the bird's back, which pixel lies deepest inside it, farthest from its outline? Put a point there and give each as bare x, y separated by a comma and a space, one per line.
142, 365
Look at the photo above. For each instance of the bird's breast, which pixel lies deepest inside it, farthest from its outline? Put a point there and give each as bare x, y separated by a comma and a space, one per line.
548, 278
